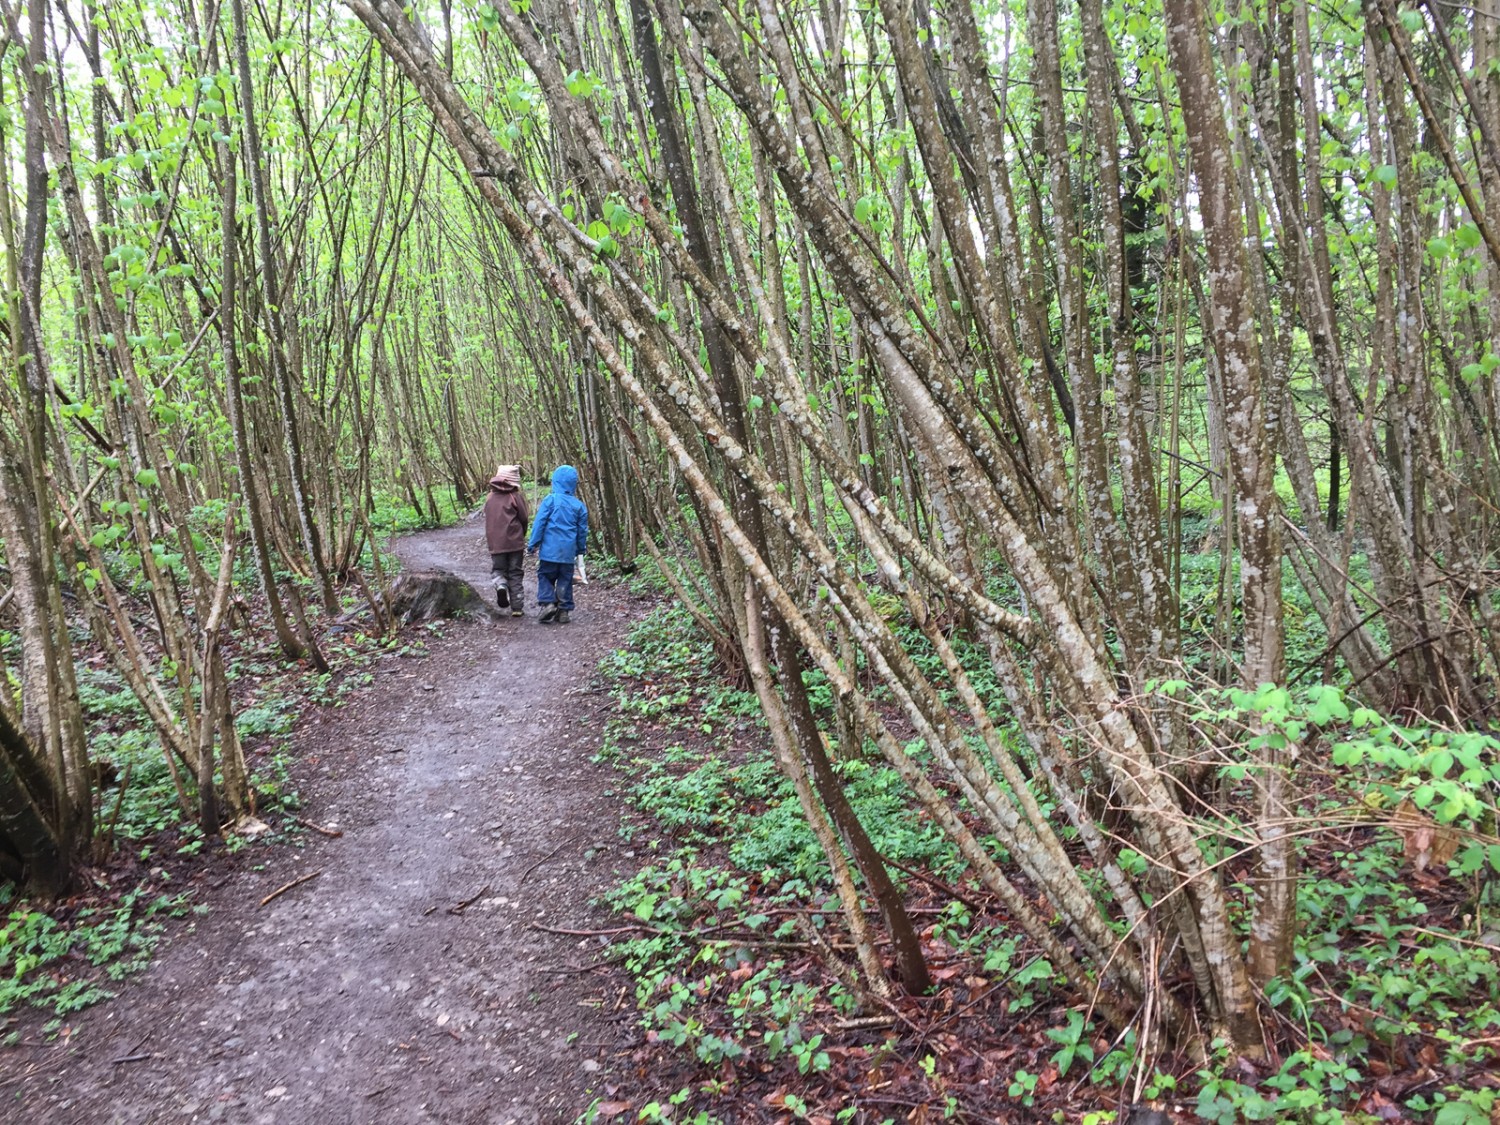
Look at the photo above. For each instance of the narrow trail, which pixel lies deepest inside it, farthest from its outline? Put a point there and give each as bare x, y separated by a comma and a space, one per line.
360, 996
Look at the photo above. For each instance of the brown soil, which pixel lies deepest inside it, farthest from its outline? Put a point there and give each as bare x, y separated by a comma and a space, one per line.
365, 994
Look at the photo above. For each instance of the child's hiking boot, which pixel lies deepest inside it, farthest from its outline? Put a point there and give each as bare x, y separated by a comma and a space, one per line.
516, 611
502, 594
562, 617
549, 614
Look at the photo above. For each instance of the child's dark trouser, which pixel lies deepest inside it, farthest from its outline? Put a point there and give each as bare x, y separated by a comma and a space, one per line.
510, 565
554, 583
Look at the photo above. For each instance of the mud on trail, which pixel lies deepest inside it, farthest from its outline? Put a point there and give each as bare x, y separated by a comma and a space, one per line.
369, 993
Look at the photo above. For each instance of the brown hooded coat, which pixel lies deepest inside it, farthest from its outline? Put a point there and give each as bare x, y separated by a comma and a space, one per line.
505, 516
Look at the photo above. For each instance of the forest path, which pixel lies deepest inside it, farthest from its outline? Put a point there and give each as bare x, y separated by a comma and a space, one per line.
360, 995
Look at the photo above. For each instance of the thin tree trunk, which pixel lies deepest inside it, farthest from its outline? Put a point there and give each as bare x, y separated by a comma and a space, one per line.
276, 336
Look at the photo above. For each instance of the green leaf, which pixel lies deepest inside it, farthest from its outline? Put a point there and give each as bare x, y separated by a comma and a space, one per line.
1385, 175
1449, 809
862, 209
1328, 706
147, 478
1439, 763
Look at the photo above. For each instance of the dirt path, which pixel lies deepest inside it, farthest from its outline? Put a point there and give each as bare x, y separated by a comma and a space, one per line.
359, 996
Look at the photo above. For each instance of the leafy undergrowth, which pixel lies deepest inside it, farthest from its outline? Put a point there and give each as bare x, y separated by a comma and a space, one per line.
748, 1012
149, 855
64, 961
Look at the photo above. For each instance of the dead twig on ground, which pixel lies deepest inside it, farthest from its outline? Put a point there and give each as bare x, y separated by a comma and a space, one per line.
969, 900
864, 1023
332, 833
460, 907
527, 873
297, 882
638, 929
132, 1049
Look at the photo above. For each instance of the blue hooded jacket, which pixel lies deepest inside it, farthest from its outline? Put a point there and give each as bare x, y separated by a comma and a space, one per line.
561, 527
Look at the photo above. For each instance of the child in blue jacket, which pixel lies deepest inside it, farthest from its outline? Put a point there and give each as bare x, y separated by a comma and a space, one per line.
560, 534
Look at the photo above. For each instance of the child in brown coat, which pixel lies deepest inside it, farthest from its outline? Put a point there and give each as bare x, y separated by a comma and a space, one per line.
505, 519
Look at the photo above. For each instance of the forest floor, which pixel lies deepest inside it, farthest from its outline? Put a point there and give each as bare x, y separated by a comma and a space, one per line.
408, 978
416, 937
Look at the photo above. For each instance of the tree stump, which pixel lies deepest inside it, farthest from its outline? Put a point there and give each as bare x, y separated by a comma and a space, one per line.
425, 595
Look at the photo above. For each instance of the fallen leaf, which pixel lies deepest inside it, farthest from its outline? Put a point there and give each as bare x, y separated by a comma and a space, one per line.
1428, 844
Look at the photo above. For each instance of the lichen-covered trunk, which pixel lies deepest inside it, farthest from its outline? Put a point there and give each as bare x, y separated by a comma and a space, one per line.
1252, 470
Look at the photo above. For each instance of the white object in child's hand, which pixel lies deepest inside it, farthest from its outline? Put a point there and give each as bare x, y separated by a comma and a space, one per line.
580, 571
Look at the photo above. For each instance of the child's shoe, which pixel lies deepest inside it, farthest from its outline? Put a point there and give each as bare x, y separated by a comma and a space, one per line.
562, 618
549, 614
516, 611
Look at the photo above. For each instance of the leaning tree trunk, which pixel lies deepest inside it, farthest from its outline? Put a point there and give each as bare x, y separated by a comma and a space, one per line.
911, 966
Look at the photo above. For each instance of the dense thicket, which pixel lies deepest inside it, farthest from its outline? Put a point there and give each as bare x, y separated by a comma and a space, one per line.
972, 316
